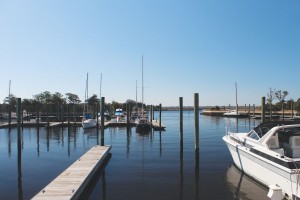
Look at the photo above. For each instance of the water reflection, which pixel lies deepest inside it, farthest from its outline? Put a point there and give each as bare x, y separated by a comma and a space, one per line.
20, 188
242, 187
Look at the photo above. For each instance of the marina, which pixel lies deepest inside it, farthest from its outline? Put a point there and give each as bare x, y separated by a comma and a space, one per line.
140, 163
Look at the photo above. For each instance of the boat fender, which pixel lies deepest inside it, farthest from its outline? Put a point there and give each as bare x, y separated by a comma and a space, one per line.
275, 192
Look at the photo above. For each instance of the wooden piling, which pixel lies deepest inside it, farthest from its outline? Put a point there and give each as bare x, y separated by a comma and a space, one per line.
102, 120
196, 116
68, 114
19, 112
97, 112
181, 121
47, 110
38, 114
127, 114
75, 113
263, 109
160, 115
249, 110
151, 112
253, 109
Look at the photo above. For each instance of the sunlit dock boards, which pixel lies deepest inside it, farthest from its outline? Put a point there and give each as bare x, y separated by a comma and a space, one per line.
72, 182
156, 126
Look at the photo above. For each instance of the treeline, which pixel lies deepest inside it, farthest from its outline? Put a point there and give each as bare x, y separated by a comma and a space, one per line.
57, 101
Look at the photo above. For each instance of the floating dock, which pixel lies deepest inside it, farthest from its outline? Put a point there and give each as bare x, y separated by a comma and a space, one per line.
71, 183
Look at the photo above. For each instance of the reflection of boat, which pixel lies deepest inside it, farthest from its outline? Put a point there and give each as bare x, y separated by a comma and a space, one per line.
270, 153
87, 121
242, 187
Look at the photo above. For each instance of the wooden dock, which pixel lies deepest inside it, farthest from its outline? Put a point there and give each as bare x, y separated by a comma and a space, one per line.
72, 182
155, 125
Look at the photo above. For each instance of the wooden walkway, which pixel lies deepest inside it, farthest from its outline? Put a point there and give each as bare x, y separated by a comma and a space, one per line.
72, 182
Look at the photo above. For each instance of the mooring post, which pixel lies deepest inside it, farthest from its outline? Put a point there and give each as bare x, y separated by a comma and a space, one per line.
253, 109
127, 114
19, 113
160, 115
292, 108
102, 119
9, 114
249, 110
68, 113
38, 114
47, 110
181, 121
74, 114
151, 113
62, 114
196, 116
263, 109
97, 113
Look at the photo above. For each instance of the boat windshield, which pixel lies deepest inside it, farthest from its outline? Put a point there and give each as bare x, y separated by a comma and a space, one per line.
252, 134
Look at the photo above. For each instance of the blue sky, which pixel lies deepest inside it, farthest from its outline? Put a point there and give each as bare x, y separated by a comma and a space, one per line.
188, 47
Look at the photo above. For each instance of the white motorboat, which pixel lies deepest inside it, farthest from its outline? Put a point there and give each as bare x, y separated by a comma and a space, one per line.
270, 153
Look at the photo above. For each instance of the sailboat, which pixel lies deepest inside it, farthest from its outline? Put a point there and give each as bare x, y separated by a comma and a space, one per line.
234, 113
143, 124
87, 121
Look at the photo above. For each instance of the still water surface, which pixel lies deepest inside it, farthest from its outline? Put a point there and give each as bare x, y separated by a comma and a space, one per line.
149, 166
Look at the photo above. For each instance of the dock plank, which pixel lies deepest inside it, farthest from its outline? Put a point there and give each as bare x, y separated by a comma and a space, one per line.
71, 182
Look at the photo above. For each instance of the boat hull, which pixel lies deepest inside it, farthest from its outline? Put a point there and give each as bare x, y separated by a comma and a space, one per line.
89, 123
264, 171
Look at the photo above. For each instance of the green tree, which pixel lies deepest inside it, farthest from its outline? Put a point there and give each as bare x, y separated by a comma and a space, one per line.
57, 98
43, 97
73, 98
280, 95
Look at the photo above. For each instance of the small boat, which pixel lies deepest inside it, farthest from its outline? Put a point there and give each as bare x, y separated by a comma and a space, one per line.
270, 154
234, 113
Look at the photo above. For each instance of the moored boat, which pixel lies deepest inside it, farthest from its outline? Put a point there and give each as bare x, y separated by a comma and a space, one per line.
270, 153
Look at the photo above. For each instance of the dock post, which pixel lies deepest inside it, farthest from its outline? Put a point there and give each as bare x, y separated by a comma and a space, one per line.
68, 113
292, 108
9, 114
237, 110
38, 114
127, 114
263, 109
102, 120
18, 113
253, 109
74, 114
181, 121
245, 108
62, 113
151, 113
47, 110
196, 116
249, 110
97, 118
160, 115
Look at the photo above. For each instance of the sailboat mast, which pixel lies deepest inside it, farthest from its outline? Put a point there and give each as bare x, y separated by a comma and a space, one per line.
142, 84
100, 85
136, 93
236, 102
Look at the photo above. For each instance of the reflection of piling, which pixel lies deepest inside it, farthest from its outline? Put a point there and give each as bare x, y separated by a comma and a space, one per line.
196, 116
263, 109
181, 121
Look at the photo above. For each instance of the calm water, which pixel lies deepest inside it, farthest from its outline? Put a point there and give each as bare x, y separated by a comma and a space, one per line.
141, 166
